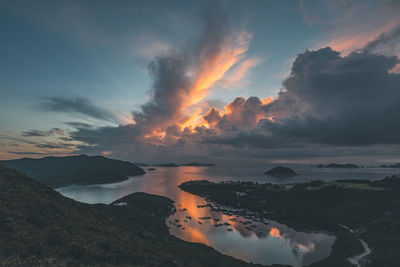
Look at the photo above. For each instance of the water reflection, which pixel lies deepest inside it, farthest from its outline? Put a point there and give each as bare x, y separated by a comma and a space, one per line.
260, 242
265, 242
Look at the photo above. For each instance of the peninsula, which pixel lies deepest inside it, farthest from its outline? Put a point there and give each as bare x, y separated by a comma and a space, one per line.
349, 209
336, 165
83, 169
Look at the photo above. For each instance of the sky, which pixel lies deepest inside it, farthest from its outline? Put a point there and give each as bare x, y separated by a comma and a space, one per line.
211, 81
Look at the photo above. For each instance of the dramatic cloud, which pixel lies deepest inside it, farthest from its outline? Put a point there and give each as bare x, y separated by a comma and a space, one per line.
182, 79
329, 99
77, 105
386, 41
351, 25
234, 78
332, 103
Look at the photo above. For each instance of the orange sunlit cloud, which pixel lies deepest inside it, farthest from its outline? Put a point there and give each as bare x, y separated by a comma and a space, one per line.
267, 100
353, 41
216, 65
213, 67
226, 64
196, 119
275, 232
235, 76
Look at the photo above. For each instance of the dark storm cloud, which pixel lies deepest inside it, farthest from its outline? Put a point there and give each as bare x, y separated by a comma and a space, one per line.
333, 100
387, 41
213, 116
106, 136
174, 73
54, 145
243, 113
170, 87
78, 124
331, 104
328, 101
38, 133
77, 105
35, 133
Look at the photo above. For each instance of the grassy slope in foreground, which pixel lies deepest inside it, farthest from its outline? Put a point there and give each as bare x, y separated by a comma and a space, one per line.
59, 171
39, 227
372, 209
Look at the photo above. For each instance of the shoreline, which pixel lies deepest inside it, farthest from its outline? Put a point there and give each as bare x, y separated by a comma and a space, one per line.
357, 259
365, 206
114, 180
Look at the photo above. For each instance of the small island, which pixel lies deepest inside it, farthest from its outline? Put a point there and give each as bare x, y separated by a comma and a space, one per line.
336, 165
173, 165
141, 164
396, 166
281, 172
151, 169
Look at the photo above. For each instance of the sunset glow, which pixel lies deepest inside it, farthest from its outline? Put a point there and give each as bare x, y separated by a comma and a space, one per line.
275, 232
198, 133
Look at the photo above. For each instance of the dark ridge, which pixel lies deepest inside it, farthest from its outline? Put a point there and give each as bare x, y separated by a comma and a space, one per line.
397, 166
281, 172
336, 165
82, 169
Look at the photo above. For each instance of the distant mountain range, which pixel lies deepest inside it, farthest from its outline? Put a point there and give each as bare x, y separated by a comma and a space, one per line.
336, 165
397, 165
166, 165
83, 169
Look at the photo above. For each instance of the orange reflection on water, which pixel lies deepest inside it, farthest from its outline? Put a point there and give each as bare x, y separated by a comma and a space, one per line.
194, 235
188, 201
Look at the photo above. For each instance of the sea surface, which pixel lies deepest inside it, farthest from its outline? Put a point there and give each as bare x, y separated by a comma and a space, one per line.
264, 242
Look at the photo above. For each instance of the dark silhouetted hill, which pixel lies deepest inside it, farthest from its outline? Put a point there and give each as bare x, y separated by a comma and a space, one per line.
336, 165
397, 166
59, 171
281, 172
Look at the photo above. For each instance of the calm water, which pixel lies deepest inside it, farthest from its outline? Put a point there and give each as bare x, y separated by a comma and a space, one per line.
258, 242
